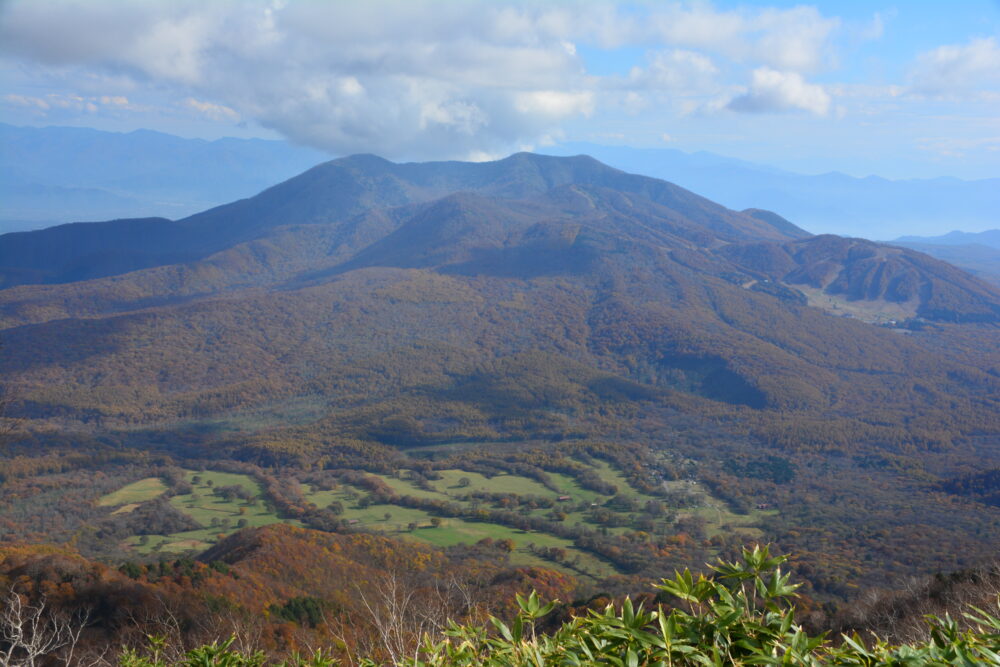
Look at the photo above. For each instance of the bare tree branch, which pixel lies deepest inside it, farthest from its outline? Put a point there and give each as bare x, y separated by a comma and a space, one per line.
30, 632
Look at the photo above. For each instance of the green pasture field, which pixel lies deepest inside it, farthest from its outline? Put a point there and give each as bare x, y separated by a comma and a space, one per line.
223, 479
457, 531
202, 506
449, 487
416, 524
136, 492
522, 486
452, 531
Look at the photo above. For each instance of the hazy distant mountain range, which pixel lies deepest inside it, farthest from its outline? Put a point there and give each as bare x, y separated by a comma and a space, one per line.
68, 174
871, 207
60, 174
990, 238
977, 253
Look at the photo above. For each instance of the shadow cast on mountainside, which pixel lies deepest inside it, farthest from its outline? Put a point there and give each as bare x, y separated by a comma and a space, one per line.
530, 261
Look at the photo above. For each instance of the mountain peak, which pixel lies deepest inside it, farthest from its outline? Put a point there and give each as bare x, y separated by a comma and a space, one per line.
335, 192
368, 160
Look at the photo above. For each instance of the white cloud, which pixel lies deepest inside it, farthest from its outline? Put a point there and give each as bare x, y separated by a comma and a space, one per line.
876, 28
85, 103
677, 70
555, 103
790, 39
76, 102
483, 156
400, 79
957, 69
27, 101
772, 90
174, 48
115, 101
795, 39
414, 78
211, 110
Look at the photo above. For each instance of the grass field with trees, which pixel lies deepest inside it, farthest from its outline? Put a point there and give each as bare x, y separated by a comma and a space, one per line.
448, 507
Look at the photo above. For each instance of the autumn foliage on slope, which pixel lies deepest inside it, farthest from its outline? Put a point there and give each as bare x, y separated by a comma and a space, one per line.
739, 613
277, 589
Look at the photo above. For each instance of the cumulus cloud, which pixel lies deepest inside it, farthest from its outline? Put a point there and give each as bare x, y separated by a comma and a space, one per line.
415, 78
396, 78
771, 90
669, 78
676, 70
792, 39
957, 69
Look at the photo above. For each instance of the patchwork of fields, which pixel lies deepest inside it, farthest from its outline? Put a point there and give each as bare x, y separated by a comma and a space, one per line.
222, 503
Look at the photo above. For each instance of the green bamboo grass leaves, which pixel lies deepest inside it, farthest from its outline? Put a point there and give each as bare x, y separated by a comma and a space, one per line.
741, 614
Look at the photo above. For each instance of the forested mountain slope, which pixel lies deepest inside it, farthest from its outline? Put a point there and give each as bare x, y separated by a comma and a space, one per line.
364, 600
623, 274
329, 194
366, 312
248, 586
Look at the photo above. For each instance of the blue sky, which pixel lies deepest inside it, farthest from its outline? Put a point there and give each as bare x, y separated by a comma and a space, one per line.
905, 89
